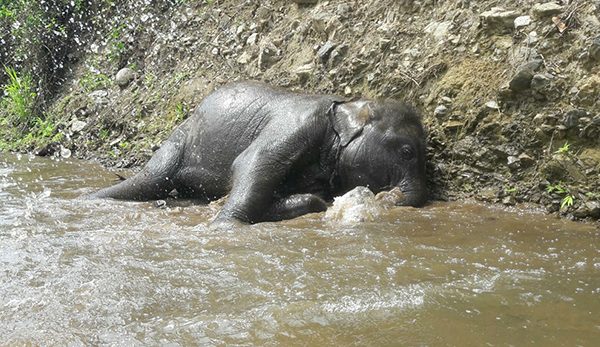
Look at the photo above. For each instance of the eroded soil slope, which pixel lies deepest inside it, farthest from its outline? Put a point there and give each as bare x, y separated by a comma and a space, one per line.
510, 96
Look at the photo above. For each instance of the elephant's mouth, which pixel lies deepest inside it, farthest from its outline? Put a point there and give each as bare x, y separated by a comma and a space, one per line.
394, 195
414, 198
400, 196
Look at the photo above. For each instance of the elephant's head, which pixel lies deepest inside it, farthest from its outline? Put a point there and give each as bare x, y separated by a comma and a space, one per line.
382, 145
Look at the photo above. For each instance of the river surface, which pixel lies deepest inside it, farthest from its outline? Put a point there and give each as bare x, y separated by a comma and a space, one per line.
76, 272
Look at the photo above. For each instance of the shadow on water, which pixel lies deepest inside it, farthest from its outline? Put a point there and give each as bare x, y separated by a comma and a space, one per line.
111, 272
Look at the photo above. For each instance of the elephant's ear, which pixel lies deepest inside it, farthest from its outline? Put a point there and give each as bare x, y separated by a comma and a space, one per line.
349, 119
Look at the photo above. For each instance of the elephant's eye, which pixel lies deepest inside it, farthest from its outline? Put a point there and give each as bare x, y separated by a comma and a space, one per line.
407, 152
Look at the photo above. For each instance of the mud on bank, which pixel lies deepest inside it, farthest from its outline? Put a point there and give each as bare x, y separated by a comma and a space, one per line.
510, 96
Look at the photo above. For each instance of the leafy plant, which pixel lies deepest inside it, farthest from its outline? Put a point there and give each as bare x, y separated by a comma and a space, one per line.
19, 98
94, 81
104, 134
557, 188
180, 112
567, 201
117, 44
593, 195
564, 149
5, 12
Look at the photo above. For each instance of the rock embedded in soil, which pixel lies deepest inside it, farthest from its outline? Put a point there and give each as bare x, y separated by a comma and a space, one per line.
522, 79
439, 30
594, 49
513, 162
99, 97
440, 111
305, 2
325, 51
78, 126
541, 85
498, 19
269, 55
522, 21
546, 10
492, 105
588, 209
124, 77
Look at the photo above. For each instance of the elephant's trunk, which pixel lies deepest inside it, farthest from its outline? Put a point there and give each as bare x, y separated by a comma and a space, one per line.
413, 195
412, 198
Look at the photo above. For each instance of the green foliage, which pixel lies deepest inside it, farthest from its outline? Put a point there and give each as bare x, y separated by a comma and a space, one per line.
180, 112
94, 81
104, 134
20, 126
17, 105
556, 188
5, 12
116, 43
567, 199
593, 195
564, 149
149, 79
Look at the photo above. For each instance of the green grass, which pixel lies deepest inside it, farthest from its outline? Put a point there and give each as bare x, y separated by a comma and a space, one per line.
116, 43
567, 199
94, 81
20, 126
564, 149
17, 105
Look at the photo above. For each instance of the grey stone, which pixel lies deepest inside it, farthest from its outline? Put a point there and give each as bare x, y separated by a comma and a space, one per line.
252, 39
269, 55
304, 71
440, 111
526, 160
532, 38
492, 105
522, 79
65, 152
124, 77
244, 58
325, 50
337, 55
343, 9
439, 30
594, 49
547, 9
498, 19
572, 117
513, 162
541, 82
305, 2
509, 200
588, 209
99, 97
446, 100
78, 126
522, 21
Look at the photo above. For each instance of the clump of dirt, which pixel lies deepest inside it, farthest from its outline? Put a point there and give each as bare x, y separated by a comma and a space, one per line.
510, 96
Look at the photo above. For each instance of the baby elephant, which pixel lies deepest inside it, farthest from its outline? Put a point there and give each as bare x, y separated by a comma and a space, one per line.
280, 154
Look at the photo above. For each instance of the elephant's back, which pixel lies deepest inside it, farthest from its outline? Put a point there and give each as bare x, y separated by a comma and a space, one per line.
233, 116
229, 119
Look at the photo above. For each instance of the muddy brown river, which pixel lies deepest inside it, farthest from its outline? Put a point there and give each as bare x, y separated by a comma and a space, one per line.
76, 272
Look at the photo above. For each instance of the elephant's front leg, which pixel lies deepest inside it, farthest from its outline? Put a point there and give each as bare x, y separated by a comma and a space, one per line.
294, 206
